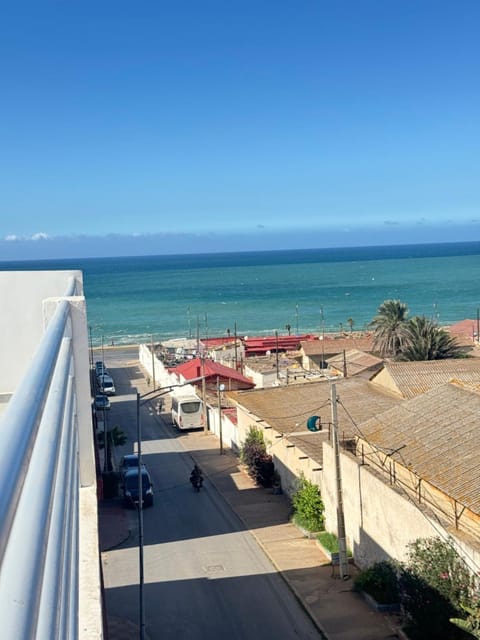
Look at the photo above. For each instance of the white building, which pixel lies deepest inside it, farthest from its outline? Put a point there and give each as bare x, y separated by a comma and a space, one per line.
50, 571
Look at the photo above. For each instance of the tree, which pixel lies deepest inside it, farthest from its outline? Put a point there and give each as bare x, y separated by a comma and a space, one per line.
115, 438
350, 323
388, 327
423, 339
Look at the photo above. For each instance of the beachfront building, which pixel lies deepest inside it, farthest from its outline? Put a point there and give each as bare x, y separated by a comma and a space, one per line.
50, 583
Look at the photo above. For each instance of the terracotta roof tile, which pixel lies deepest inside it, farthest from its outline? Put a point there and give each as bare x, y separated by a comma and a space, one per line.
414, 378
438, 433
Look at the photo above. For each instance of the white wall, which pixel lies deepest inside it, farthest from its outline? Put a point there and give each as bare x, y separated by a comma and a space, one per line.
229, 429
22, 294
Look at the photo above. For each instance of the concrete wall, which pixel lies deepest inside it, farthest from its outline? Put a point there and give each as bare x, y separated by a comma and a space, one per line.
22, 294
379, 520
229, 429
262, 379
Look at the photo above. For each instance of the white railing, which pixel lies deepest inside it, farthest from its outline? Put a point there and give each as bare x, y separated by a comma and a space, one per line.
39, 497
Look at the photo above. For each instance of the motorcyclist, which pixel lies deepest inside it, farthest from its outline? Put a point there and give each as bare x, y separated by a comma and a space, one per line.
196, 475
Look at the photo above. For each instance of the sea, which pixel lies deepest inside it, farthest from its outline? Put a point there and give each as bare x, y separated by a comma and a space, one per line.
131, 300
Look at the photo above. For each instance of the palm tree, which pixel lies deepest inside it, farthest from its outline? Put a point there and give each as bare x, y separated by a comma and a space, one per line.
425, 340
388, 326
350, 323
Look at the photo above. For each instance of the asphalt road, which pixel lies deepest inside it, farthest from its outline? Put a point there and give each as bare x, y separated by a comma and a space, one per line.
204, 575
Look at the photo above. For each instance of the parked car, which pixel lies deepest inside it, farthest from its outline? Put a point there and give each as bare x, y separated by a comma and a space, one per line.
106, 385
100, 368
131, 485
130, 461
102, 402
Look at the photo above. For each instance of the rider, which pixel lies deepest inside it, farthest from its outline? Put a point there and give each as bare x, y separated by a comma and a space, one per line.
196, 474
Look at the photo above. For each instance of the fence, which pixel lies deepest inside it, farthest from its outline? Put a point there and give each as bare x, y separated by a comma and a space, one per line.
39, 501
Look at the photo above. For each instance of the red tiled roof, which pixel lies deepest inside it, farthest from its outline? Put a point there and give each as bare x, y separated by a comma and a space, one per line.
466, 328
193, 369
272, 343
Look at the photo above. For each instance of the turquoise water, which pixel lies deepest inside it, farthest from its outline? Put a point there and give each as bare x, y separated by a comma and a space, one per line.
134, 299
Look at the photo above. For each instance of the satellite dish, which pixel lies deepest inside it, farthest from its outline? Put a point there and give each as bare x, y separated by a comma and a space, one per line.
314, 423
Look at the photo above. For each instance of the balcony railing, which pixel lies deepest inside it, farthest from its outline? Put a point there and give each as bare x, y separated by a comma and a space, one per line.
39, 497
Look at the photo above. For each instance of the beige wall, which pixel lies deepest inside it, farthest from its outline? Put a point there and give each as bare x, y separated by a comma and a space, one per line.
380, 521
384, 379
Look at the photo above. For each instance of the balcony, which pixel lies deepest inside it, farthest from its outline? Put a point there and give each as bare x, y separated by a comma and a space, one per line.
50, 583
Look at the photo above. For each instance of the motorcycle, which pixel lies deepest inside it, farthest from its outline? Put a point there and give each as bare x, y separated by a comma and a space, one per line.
197, 481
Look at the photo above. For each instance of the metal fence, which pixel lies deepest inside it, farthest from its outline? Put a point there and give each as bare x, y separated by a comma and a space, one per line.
39, 480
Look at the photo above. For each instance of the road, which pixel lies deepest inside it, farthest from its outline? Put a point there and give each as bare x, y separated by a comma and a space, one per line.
205, 576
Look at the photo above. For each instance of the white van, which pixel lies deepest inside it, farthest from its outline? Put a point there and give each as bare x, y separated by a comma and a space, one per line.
187, 412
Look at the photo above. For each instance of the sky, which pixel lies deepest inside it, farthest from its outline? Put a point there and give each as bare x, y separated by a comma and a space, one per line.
182, 126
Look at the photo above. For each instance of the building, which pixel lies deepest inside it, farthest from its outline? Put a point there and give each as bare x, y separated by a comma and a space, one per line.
50, 584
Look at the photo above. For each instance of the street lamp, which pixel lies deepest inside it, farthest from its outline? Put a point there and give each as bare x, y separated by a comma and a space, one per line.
220, 388
323, 338
150, 395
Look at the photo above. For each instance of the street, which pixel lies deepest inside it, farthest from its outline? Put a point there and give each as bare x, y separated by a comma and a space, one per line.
204, 574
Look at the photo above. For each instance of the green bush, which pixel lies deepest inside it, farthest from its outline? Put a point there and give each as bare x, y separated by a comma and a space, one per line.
330, 542
308, 506
435, 585
253, 454
380, 581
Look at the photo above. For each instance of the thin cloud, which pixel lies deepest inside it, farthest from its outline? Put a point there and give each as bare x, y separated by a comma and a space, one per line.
12, 237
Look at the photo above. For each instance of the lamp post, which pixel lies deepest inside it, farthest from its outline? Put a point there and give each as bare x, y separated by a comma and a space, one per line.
220, 388
153, 364
150, 395
323, 337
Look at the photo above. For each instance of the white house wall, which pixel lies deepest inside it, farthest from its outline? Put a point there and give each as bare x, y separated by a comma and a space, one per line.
22, 294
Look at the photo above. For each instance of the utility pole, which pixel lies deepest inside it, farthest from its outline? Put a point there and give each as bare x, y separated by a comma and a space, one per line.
342, 544
204, 397
344, 364
153, 365
219, 390
235, 336
276, 355
141, 580
323, 338
478, 326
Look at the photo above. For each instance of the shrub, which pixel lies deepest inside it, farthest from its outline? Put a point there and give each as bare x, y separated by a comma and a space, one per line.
308, 506
380, 581
253, 454
434, 587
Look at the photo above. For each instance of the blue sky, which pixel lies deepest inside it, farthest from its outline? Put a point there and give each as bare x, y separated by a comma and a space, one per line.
179, 126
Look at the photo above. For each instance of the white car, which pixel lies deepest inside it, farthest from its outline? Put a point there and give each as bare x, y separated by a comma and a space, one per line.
106, 384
